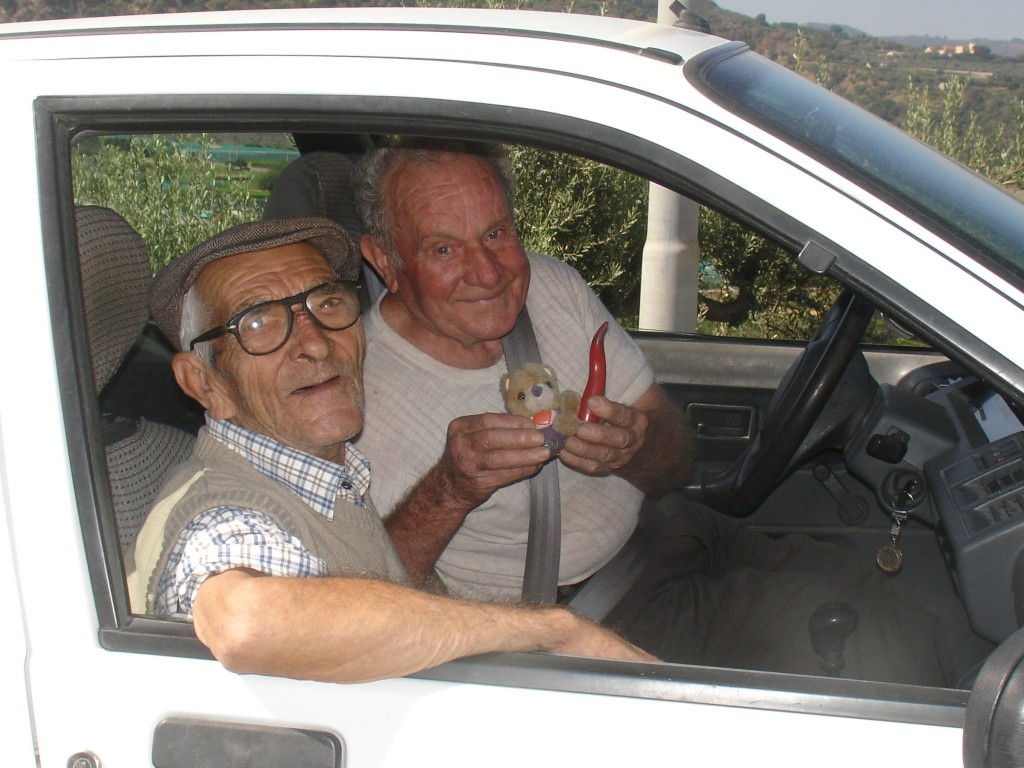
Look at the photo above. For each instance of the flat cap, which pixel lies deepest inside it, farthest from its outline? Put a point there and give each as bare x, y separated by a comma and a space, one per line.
167, 292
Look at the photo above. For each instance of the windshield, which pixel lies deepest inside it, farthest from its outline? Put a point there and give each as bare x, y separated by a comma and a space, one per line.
980, 216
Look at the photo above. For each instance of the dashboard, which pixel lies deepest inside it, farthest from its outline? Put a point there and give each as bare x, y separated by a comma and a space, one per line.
980, 502
958, 446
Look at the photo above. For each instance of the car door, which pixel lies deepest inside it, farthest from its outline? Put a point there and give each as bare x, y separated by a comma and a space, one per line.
117, 687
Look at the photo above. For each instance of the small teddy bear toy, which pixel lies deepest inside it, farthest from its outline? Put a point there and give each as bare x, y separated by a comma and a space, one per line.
533, 391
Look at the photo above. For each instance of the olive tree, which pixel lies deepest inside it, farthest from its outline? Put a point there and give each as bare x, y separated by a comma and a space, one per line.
169, 189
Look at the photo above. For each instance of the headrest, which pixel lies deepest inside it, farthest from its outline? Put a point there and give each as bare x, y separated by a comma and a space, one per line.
323, 184
115, 273
317, 184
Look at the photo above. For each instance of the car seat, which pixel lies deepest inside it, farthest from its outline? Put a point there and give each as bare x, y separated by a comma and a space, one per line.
115, 277
323, 184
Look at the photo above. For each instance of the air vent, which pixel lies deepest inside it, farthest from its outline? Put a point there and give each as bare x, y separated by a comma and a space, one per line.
1003, 508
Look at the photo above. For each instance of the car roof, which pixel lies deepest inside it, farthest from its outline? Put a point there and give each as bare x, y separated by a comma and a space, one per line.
581, 28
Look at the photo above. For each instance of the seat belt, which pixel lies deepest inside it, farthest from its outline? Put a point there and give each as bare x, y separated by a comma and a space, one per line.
543, 547
609, 584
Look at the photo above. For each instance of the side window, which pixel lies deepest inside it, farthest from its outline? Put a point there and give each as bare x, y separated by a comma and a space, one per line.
589, 215
178, 190
595, 218
752, 288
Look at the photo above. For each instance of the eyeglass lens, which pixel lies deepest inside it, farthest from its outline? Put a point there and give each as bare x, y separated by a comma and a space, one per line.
265, 327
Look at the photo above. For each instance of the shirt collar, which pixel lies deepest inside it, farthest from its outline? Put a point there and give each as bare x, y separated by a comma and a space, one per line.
318, 482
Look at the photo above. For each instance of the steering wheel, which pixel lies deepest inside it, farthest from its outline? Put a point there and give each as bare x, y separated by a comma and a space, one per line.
796, 404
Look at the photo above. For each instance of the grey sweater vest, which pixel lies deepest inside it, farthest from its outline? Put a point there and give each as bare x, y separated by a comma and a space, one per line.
354, 544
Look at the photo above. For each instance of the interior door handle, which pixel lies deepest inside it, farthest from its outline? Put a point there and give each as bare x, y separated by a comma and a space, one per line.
717, 420
195, 743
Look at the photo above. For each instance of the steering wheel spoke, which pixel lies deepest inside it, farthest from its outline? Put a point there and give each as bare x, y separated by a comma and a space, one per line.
796, 405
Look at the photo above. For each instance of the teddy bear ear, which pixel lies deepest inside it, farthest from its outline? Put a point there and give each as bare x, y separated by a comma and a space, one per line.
549, 371
503, 384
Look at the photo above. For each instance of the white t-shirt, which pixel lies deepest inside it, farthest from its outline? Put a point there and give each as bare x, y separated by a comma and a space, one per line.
411, 398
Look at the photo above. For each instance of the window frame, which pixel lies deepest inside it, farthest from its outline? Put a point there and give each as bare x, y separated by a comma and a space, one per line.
60, 120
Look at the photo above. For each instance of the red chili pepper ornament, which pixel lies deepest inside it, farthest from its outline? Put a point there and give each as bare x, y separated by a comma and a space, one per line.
597, 377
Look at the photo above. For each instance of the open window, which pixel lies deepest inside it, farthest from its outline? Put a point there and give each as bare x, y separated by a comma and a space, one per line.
179, 173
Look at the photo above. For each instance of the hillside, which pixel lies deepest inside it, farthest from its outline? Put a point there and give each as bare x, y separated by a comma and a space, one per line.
876, 72
1004, 48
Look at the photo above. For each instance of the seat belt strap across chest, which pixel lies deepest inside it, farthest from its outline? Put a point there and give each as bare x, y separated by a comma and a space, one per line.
543, 548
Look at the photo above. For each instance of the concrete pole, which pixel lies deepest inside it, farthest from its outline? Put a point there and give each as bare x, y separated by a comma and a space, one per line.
671, 257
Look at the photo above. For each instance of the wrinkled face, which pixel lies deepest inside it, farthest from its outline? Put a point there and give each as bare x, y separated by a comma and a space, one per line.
309, 393
465, 274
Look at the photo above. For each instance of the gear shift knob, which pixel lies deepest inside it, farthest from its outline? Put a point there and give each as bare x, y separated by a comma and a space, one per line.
830, 625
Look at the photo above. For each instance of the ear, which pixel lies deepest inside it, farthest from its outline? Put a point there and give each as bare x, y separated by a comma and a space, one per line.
380, 262
504, 382
204, 385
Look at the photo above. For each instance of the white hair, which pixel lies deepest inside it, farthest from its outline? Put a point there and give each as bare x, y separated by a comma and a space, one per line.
195, 317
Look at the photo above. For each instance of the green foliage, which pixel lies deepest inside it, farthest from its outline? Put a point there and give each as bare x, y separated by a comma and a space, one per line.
760, 291
171, 191
805, 64
950, 126
589, 215
263, 178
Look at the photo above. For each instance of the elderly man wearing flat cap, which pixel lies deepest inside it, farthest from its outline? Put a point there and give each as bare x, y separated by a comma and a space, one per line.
266, 537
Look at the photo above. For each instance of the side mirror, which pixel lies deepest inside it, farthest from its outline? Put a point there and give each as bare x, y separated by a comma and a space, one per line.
894, 326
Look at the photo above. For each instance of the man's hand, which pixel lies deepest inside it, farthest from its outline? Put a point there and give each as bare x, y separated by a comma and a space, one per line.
648, 443
586, 638
482, 453
488, 451
607, 446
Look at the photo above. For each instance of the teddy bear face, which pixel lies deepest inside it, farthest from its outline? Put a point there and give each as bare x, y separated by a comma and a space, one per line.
530, 389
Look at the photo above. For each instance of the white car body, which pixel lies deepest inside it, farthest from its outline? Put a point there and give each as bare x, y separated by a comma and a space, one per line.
67, 689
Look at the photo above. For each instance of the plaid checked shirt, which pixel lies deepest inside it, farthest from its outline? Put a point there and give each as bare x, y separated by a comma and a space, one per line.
232, 537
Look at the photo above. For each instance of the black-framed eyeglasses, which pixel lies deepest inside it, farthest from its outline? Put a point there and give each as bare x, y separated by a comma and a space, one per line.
264, 328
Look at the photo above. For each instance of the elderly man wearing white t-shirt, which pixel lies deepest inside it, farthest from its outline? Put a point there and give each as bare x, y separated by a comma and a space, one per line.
452, 468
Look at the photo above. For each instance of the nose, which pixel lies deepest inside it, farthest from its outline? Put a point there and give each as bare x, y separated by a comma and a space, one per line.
536, 391
310, 340
483, 268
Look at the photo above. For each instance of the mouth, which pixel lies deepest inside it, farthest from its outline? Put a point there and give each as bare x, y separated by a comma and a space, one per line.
342, 380
483, 300
317, 387
485, 295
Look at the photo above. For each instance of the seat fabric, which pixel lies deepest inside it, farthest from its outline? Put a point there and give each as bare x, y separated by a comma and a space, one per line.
115, 276
323, 184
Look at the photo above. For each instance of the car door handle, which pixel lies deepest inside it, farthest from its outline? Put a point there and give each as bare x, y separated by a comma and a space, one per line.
195, 743
716, 420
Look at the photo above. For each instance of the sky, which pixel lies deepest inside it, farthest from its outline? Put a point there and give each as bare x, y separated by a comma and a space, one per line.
961, 19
